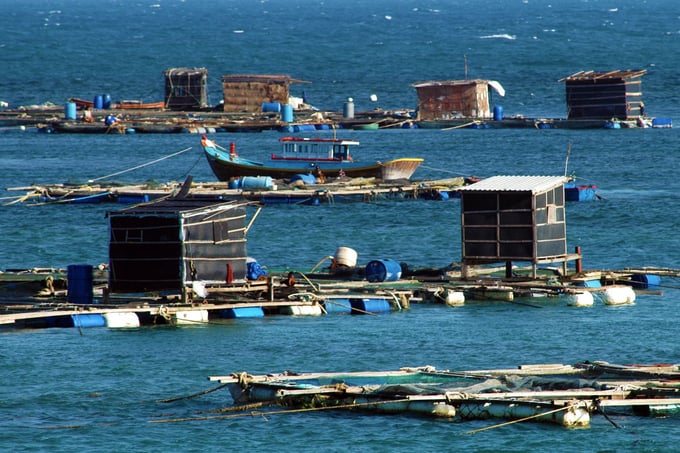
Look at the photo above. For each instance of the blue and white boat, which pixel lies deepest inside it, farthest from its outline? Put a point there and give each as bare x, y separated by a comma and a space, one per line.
331, 157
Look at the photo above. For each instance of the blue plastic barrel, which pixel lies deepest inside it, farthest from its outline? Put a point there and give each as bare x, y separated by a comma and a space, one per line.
287, 113
106, 101
235, 183
369, 305
497, 113
88, 320
79, 281
242, 312
70, 111
99, 102
337, 305
383, 271
305, 178
256, 182
645, 281
271, 107
304, 128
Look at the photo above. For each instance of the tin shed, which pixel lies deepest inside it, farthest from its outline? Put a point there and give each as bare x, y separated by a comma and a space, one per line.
447, 99
186, 89
165, 246
604, 95
513, 218
247, 93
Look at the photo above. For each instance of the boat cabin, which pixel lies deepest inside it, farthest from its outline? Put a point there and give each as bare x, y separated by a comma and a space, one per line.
167, 245
514, 218
604, 95
316, 149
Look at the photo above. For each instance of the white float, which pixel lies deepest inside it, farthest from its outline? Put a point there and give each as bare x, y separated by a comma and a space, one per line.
121, 320
618, 295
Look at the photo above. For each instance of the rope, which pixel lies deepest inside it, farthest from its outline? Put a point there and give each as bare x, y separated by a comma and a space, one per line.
141, 166
351, 308
284, 411
308, 281
193, 395
531, 417
461, 125
442, 170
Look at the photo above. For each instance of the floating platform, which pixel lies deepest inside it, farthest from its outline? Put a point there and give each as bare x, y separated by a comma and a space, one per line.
40, 298
566, 395
341, 191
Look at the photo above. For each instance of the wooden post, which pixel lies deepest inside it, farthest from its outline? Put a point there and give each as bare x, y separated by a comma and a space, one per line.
579, 264
508, 269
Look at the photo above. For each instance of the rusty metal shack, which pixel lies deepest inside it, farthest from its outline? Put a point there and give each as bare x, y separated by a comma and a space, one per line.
248, 93
604, 95
447, 99
186, 89
514, 218
169, 244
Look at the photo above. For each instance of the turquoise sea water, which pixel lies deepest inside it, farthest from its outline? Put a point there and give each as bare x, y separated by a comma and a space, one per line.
63, 391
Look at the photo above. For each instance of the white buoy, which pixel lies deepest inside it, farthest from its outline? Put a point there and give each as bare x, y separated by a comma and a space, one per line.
121, 320
618, 295
191, 317
579, 299
455, 298
305, 310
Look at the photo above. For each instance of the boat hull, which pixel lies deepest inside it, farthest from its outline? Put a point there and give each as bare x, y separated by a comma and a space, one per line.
226, 167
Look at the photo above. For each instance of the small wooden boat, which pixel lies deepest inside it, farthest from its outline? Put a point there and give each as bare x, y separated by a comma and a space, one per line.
307, 155
139, 105
79, 127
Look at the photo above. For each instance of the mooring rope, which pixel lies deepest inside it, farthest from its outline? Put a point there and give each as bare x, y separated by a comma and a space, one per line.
142, 165
193, 395
531, 417
284, 411
444, 170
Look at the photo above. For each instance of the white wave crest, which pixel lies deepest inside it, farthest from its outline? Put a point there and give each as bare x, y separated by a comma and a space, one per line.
500, 36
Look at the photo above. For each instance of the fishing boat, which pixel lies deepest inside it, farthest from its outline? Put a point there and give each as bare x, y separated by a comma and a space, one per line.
298, 155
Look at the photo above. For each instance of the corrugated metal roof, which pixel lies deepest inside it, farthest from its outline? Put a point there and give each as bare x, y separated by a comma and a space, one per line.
436, 83
263, 78
591, 75
533, 184
175, 206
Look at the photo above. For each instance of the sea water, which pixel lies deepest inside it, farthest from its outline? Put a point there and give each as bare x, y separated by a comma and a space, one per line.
98, 389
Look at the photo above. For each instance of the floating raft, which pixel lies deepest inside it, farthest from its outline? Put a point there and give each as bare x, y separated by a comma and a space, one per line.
347, 190
563, 394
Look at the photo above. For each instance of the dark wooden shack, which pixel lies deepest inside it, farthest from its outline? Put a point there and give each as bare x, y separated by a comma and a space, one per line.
448, 99
513, 218
248, 93
186, 89
604, 95
167, 245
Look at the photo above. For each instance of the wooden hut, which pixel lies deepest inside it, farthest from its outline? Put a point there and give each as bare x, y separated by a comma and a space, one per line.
448, 99
514, 218
249, 93
167, 245
604, 95
186, 89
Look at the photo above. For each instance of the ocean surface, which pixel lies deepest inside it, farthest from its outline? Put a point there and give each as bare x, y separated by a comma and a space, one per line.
63, 390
